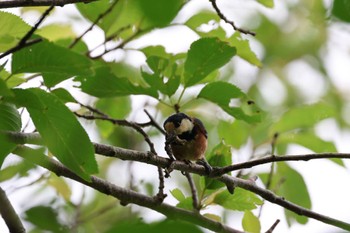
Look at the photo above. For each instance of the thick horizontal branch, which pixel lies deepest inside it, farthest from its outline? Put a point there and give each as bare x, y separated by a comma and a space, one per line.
149, 158
26, 3
125, 196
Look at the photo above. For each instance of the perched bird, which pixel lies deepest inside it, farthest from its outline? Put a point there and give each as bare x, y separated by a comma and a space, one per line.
187, 138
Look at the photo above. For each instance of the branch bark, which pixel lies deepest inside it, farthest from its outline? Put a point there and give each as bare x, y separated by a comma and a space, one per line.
124, 195
149, 158
21, 3
9, 214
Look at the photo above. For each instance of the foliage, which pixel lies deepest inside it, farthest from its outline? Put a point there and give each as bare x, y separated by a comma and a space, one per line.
57, 86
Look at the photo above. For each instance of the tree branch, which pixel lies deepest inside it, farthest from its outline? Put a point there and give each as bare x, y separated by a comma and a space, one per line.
275, 158
24, 41
223, 17
9, 215
101, 16
22, 3
144, 157
124, 195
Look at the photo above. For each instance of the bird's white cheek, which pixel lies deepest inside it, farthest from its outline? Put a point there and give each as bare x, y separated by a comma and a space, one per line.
185, 126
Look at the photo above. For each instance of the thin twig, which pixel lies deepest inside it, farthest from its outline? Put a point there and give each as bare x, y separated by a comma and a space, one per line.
35, 27
101, 16
17, 47
160, 196
21, 3
194, 192
9, 214
223, 17
24, 41
121, 45
154, 122
274, 225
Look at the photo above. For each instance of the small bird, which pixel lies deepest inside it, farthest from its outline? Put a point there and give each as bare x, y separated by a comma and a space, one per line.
187, 137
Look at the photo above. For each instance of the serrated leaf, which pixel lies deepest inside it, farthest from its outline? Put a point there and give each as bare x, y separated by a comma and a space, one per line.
240, 200
302, 117
39, 58
341, 9
60, 130
293, 189
178, 194
13, 28
222, 93
250, 222
158, 80
205, 56
105, 84
10, 120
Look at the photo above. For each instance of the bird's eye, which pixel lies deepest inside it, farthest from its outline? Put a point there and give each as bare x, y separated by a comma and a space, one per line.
177, 124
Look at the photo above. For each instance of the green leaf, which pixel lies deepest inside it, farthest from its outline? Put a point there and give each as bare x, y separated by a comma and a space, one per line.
105, 84
52, 79
201, 18
55, 32
64, 95
309, 140
10, 120
235, 134
243, 49
205, 56
36, 215
60, 130
46, 57
292, 189
11, 80
302, 117
240, 200
20, 169
267, 3
4, 90
178, 194
220, 156
250, 222
13, 28
158, 80
61, 186
222, 93
159, 13
117, 108
341, 9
